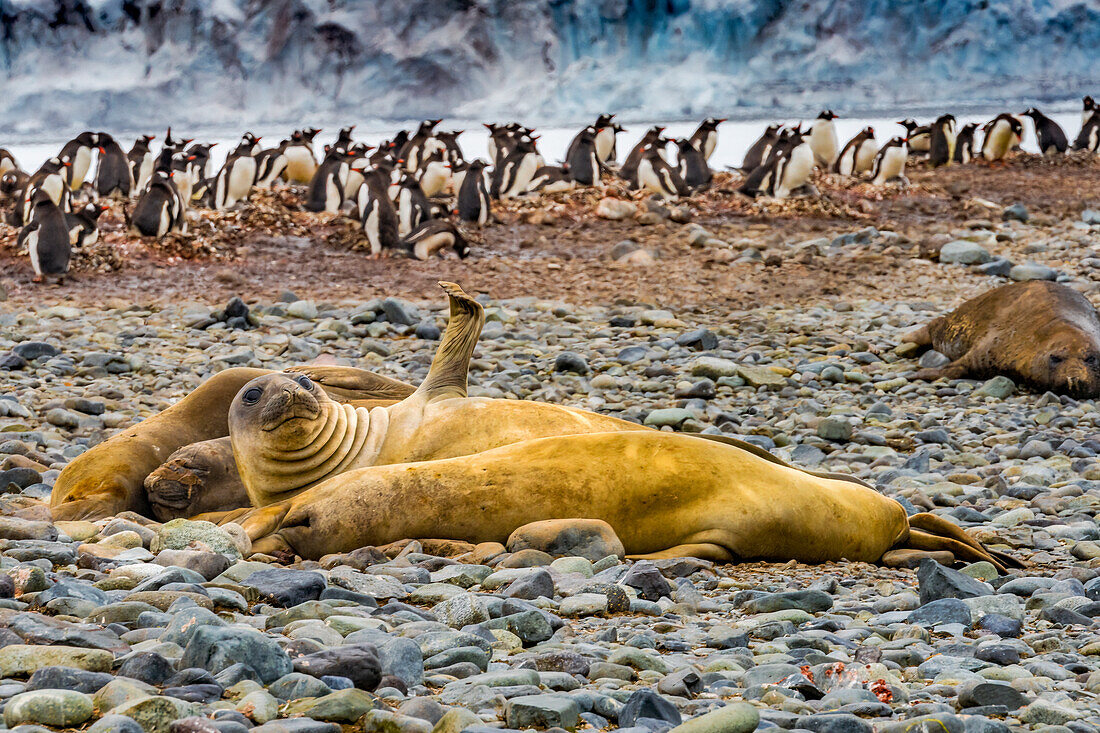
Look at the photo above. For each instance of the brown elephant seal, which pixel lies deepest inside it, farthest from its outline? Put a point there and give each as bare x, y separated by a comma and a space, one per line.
110, 477
196, 479
1038, 333
287, 434
664, 494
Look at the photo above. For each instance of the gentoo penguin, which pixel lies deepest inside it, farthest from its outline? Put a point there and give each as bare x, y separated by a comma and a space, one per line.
251, 143
270, 164
551, 179
919, 136
759, 180
50, 178
13, 184
79, 152
1048, 132
493, 146
691, 164
434, 174
413, 207
452, 151
376, 212
473, 204
656, 175
458, 175
1089, 107
358, 157
964, 143
198, 160
890, 162
47, 238
758, 152
605, 138
237, 175
705, 137
301, 163
858, 154
941, 141
629, 167
184, 176
582, 160
326, 190
343, 140
414, 148
112, 176
432, 237
1089, 137
159, 210
83, 225
1001, 134
169, 142
793, 165
515, 172
141, 160
823, 141
7, 162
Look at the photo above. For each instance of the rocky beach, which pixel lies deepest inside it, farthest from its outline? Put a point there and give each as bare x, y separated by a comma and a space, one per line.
778, 323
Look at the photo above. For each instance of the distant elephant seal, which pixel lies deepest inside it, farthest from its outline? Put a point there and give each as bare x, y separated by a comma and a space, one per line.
665, 495
110, 477
288, 434
1039, 333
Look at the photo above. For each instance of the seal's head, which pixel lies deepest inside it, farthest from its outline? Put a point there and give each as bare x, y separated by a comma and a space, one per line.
281, 411
1069, 365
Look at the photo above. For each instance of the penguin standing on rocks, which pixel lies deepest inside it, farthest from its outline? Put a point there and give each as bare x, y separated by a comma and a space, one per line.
237, 175
452, 151
434, 174
414, 149
759, 180
7, 162
890, 162
1089, 137
495, 146
823, 140
705, 137
793, 166
112, 177
46, 237
919, 136
326, 190
656, 175
376, 212
413, 207
1001, 134
271, 164
301, 163
582, 160
432, 237
941, 145
964, 143
691, 164
159, 210
858, 155
512, 177
79, 152
759, 151
83, 225
652, 138
141, 160
606, 138
1051, 137
1089, 107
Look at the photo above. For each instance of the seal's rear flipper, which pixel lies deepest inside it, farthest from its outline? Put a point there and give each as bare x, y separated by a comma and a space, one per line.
355, 384
934, 534
447, 376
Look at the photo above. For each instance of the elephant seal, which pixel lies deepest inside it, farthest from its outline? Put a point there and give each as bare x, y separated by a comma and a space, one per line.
288, 435
665, 495
1040, 333
109, 478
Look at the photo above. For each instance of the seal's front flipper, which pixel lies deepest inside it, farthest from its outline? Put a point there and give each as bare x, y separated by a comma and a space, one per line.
447, 376
701, 550
196, 479
954, 370
921, 336
350, 383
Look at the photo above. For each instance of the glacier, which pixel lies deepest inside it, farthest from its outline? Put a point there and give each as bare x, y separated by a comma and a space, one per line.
67, 65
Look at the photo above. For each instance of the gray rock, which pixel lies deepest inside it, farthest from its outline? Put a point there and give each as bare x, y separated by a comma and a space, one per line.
215, 648
964, 252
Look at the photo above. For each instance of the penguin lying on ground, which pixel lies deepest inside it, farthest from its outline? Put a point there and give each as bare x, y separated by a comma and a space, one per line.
1048, 133
656, 175
432, 237
652, 138
83, 225
552, 179
512, 177
858, 154
46, 238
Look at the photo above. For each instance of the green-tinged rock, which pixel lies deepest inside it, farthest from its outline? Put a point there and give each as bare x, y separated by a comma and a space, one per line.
24, 659
155, 714
542, 711
735, 718
58, 708
383, 721
345, 706
456, 720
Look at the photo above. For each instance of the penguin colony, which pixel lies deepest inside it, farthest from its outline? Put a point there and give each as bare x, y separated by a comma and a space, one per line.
410, 193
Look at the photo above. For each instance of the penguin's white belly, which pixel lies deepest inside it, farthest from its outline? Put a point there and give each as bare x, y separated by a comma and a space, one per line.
865, 157
165, 220
711, 142
605, 141
6, 165
370, 228
521, 179
797, 171
650, 180
32, 250
558, 186
81, 165
457, 178
145, 171
429, 245
354, 181
823, 142
998, 141
435, 179
404, 213
892, 166
241, 177
54, 186
300, 165
334, 195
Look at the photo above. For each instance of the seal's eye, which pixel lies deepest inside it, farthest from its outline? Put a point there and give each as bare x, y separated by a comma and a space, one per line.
1055, 360
304, 382
251, 396
1092, 360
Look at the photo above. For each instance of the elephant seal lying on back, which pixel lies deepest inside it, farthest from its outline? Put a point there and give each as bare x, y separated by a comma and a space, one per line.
1040, 333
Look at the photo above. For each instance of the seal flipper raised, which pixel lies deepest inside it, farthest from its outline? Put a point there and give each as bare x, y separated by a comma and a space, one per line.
447, 375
